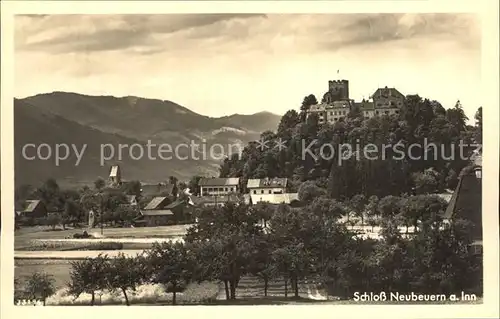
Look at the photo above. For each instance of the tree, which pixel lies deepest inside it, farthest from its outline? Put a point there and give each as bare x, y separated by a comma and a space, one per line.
88, 276
132, 188
357, 204
405, 217
309, 191
327, 208
264, 211
182, 187
387, 258
287, 124
294, 262
40, 285
426, 182
124, 273
389, 206
479, 125
99, 184
308, 101
261, 265
226, 233
295, 233
372, 205
443, 261
194, 186
171, 265
125, 214
50, 194
53, 220
72, 212
372, 222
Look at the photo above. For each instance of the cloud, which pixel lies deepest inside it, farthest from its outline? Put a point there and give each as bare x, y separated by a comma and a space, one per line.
383, 28
151, 34
77, 33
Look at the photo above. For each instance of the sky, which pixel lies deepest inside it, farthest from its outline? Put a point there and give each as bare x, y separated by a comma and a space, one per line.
221, 64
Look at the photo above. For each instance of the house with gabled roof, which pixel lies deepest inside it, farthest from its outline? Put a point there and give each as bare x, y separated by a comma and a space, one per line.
159, 213
219, 186
157, 217
33, 208
267, 186
158, 189
466, 201
157, 203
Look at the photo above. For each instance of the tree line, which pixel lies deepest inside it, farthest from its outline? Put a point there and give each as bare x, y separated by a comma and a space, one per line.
295, 244
72, 206
420, 121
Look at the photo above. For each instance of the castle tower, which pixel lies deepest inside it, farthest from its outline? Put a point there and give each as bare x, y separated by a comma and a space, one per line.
339, 89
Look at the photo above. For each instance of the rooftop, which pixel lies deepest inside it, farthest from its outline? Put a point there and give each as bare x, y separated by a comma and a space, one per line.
31, 205
386, 92
156, 189
155, 203
267, 182
234, 181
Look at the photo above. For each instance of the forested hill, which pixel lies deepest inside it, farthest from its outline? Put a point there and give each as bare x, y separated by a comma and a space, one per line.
421, 122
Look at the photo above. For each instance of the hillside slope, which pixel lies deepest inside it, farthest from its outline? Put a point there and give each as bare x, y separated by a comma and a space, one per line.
71, 118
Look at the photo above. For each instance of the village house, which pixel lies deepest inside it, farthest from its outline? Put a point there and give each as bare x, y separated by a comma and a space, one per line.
218, 186
157, 203
160, 212
336, 104
270, 190
286, 198
267, 186
151, 218
218, 200
466, 201
33, 208
159, 189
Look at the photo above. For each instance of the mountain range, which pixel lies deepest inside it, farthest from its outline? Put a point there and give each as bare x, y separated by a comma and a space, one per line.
76, 119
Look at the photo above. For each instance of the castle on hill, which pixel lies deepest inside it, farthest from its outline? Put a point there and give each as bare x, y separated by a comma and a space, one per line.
336, 103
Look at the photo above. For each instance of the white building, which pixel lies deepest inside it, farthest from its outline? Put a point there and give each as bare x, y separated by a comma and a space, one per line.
218, 186
267, 186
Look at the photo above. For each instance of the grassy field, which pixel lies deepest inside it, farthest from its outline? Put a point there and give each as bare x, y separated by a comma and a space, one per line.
59, 269
24, 236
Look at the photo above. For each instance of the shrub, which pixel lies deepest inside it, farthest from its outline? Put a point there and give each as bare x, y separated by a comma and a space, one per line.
103, 246
203, 293
40, 285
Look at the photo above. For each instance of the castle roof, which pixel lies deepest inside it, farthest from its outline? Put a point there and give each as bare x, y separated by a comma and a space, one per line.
386, 92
